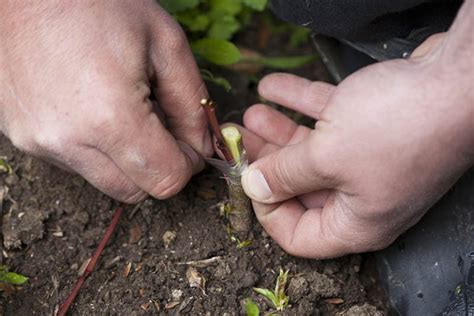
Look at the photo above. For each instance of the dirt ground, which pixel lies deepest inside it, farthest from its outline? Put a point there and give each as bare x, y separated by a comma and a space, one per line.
53, 221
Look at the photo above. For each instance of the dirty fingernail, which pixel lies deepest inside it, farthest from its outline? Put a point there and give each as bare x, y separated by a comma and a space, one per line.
255, 185
198, 163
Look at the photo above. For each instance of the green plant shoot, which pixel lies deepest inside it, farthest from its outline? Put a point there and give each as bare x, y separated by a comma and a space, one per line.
278, 297
251, 308
11, 277
5, 166
233, 141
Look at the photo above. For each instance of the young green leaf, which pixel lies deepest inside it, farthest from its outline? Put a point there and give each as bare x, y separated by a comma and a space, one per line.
267, 294
244, 244
224, 27
251, 308
281, 282
219, 8
282, 299
11, 277
258, 5
193, 20
5, 166
218, 81
216, 51
278, 298
175, 6
300, 35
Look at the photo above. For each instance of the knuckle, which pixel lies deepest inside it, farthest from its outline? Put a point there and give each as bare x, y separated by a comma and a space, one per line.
175, 38
105, 119
22, 142
51, 139
322, 162
45, 139
170, 184
283, 176
292, 249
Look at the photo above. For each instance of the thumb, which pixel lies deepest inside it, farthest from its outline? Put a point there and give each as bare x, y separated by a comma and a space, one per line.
291, 171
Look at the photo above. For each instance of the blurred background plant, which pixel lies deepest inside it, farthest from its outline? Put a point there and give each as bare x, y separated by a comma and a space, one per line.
213, 25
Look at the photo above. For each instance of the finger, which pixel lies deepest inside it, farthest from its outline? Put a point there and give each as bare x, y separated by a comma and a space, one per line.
146, 152
301, 232
273, 126
327, 232
288, 172
256, 148
314, 199
100, 171
178, 85
296, 93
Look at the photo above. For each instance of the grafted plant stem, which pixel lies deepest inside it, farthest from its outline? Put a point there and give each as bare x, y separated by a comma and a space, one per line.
229, 142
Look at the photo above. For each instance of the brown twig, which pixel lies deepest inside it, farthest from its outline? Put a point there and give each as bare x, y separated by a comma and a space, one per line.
90, 267
210, 108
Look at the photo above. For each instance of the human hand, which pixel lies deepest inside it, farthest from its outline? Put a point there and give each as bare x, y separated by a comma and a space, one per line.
81, 84
389, 141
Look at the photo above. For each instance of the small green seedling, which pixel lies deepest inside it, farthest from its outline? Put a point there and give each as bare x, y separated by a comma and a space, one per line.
277, 298
251, 308
241, 244
5, 166
11, 277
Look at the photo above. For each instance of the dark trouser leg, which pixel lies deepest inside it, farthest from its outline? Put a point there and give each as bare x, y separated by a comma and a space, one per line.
422, 268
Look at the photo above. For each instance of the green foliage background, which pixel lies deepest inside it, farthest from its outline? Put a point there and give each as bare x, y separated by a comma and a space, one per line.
211, 25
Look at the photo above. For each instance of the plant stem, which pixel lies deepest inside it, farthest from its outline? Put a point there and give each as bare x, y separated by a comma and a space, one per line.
210, 108
90, 267
233, 141
240, 215
229, 142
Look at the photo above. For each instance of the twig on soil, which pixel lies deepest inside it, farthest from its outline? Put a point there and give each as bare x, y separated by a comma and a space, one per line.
201, 263
134, 211
90, 267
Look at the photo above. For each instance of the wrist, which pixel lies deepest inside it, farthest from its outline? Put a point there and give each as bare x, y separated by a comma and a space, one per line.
451, 68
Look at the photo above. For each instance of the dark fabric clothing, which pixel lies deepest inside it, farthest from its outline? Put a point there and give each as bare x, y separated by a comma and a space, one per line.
382, 29
369, 20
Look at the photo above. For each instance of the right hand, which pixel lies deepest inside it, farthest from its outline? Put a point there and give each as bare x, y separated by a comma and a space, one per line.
76, 80
389, 141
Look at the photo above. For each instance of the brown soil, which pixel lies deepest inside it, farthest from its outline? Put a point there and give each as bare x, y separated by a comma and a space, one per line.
52, 222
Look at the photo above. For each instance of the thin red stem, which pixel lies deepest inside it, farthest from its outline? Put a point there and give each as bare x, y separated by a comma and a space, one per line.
91, 265
210, 109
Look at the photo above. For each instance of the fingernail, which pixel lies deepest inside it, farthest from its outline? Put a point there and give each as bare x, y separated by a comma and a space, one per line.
198, 163
255, 185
